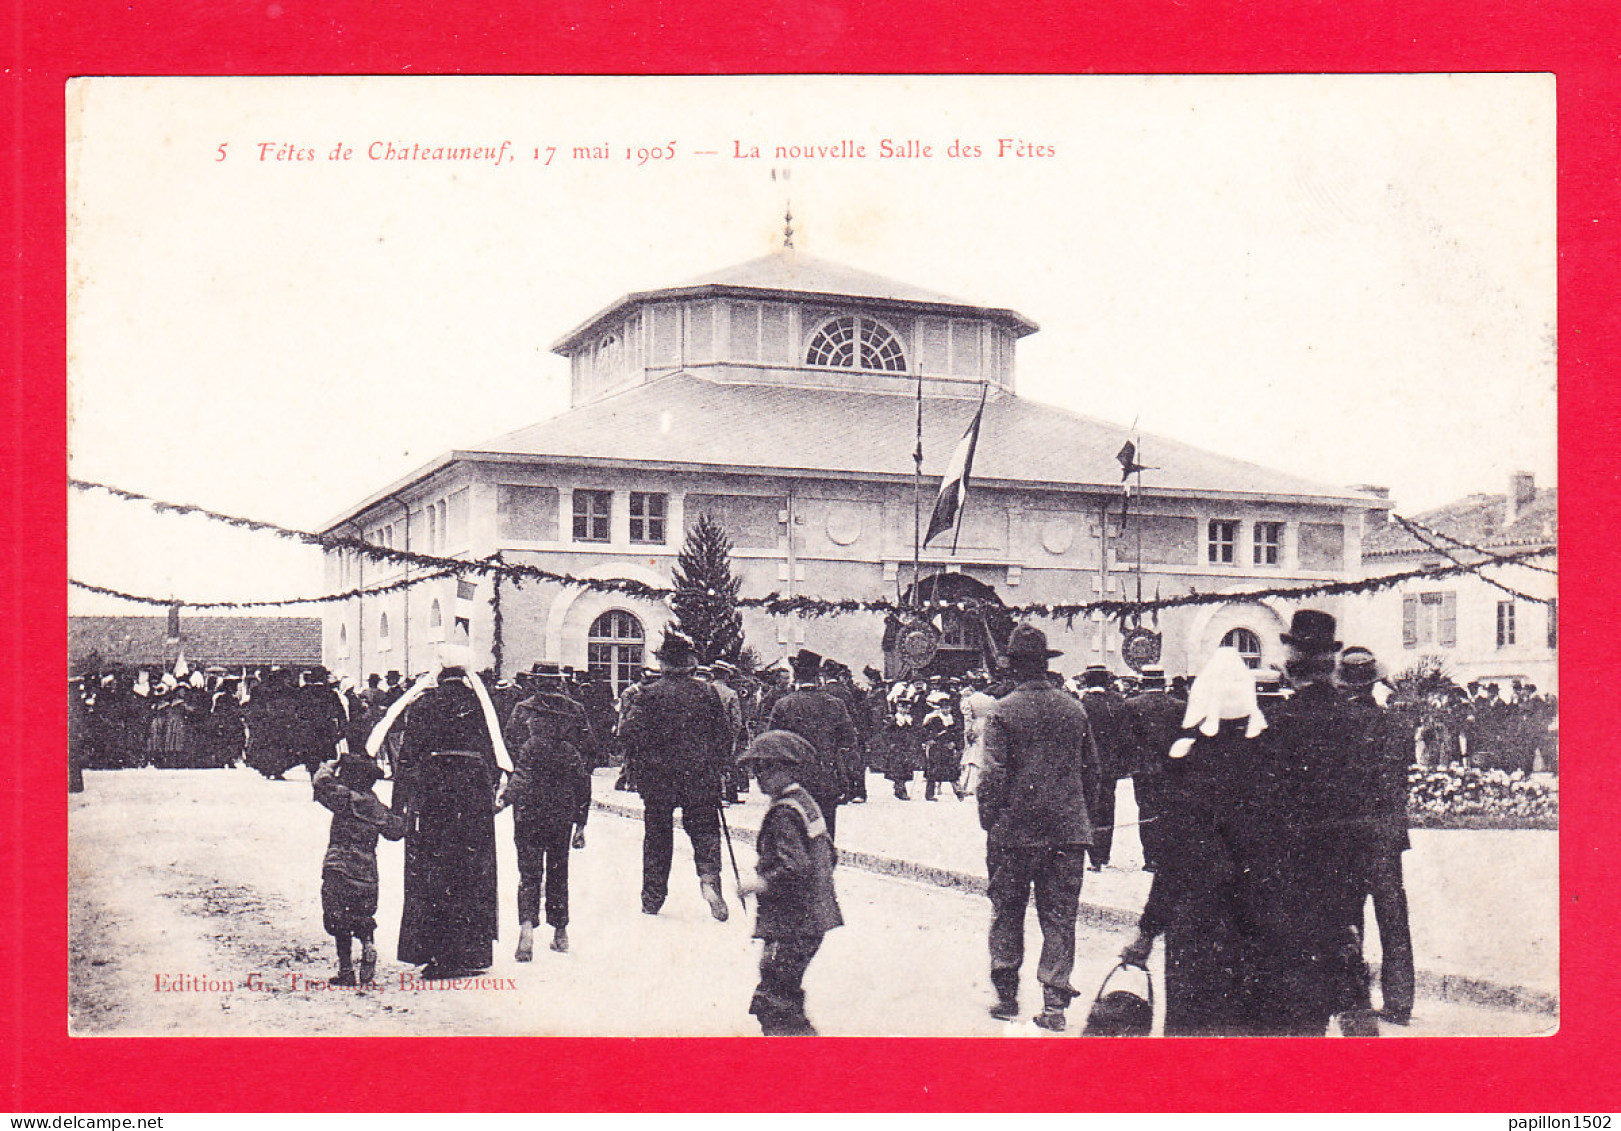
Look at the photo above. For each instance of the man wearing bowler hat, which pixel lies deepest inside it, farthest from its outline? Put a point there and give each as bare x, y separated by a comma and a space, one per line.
1039, 782
679, 743
1313, 967
820, 719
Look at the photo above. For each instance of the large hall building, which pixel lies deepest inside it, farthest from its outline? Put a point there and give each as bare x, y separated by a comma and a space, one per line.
779, 396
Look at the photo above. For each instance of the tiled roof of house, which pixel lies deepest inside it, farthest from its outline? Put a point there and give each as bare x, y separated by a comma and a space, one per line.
786, 273
683, 419
1478, 520
204, 640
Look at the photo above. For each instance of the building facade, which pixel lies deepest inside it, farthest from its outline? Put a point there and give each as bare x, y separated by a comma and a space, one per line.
781, 397
1475, 630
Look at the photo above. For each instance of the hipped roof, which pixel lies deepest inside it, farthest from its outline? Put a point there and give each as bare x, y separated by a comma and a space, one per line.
787, 274
682, 422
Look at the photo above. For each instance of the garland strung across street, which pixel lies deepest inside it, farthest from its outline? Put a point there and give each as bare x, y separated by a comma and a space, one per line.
1434, 538
775, 603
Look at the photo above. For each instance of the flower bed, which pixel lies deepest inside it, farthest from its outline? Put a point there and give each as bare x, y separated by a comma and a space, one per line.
1463, 797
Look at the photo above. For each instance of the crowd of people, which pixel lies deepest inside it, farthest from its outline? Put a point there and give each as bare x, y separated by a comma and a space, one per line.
1268, 812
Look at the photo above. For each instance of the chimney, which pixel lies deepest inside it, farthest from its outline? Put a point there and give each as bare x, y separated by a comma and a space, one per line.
1522, 492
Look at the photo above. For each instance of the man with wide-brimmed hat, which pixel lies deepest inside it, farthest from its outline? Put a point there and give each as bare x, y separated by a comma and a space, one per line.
678, 743
1039, 783
1385, 813
820, 719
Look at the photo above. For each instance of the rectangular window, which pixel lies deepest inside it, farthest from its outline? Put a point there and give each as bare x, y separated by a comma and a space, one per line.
1268, 542
647, 511
1223, 541
1505, 624
1553, 623
1430, 619
591, 513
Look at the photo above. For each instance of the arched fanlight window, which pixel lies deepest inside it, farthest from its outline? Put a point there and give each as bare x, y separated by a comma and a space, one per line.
1247, 643
382, 631
614, 649
436, 621
856, 343
343, 640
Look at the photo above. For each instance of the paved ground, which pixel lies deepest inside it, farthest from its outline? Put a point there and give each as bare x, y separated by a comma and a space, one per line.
1483, 904
211, 878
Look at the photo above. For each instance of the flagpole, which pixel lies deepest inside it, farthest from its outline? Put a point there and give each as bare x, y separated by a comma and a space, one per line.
917, 494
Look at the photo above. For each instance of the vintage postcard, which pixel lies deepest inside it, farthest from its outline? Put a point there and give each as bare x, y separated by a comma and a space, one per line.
1015, 522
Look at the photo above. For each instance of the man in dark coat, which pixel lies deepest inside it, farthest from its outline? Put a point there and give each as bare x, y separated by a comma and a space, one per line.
820, 719
1313, 967
320, 720
1384, 777
273, 724
1039, 781
678, 744
839, 683
724, 679
1155, 721
1111, 730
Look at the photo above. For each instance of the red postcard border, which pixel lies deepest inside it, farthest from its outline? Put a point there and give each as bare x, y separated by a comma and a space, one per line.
48, 1072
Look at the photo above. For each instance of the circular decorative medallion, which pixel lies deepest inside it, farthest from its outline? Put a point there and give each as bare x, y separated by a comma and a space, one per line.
919, 643
1140, 648
1057, 535
843, 525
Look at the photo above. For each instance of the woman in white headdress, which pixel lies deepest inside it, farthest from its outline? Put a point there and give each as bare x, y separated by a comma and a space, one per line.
1208, 893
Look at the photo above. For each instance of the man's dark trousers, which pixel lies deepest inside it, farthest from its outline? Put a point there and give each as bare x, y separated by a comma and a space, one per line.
1056, 873
1103, 823
1395, 937
702, 823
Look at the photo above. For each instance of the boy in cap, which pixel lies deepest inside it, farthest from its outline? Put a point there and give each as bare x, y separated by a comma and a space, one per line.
349, 870
797, 903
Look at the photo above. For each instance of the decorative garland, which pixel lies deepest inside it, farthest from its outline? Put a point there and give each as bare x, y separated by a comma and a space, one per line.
496, 648
773, 603
325, 599
1435, 545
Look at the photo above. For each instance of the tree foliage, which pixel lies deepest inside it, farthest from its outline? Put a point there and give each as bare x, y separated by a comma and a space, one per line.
705, 599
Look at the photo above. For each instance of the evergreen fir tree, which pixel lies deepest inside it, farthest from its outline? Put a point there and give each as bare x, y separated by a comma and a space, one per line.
705, 600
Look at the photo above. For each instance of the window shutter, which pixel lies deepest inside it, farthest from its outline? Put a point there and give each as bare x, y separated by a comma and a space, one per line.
1448, 628
1409, 622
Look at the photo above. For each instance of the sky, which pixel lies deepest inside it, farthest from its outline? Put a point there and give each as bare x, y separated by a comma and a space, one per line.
1349, 278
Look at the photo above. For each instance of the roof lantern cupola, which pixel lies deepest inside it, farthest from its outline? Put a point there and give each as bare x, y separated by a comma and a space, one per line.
788, 318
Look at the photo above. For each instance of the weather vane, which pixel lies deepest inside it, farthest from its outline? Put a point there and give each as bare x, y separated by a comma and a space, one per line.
788, 212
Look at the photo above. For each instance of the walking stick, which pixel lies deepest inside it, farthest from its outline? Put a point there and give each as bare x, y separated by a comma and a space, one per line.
726, 830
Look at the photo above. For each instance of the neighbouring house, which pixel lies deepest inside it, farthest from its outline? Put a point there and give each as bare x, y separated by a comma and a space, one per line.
1494, 633
100, 643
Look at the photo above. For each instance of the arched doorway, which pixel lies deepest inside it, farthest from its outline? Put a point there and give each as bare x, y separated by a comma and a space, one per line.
968, 638
614, 648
